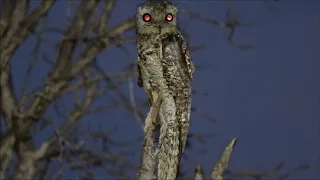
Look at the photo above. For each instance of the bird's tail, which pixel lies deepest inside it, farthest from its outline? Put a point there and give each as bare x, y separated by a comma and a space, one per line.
169, 152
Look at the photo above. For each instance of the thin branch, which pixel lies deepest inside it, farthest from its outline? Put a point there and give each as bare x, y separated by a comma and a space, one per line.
7, 97
266, 173
18, 12
23, 31
125, 100
231, 23
108, 6
75, 115
98, 45
63, 62
50, 92
299, 168
33, 61
98, 78
6, 13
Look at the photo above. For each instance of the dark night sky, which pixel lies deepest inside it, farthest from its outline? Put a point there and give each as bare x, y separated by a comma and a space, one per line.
268, 96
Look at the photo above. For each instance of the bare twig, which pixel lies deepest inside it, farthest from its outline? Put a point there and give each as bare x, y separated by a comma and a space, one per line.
231, 22
255, 174
11, 39
95, 79
266, 173
108, 6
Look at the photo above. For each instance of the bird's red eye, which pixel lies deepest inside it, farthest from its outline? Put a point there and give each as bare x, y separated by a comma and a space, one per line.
146, 17
169, 17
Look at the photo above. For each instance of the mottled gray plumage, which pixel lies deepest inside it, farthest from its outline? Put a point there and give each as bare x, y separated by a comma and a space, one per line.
165, 65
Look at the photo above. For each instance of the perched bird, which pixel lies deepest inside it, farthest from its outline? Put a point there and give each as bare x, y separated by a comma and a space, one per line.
164, 65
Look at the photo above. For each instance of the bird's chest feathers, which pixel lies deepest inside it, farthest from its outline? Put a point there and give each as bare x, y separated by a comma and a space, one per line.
171, 48
170, 56
171, 51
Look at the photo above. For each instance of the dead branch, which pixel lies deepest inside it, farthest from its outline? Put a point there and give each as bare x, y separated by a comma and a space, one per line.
148, 159
198, 172
108, 6
223, 161
267, 173
231, 23
58, 80
10, 40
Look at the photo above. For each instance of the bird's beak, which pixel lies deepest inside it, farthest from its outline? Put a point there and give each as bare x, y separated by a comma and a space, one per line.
159, 27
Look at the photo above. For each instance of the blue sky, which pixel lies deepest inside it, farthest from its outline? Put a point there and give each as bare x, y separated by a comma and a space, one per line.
268, 97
